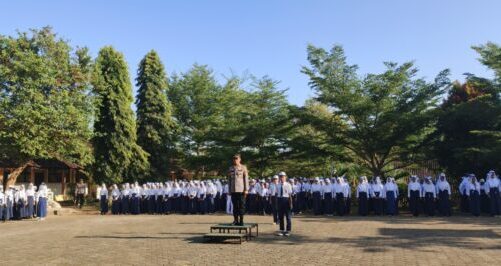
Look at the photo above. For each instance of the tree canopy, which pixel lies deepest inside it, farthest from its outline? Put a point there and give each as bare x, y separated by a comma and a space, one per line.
45, 104
57, 102
381, 120
155, 124
117, 155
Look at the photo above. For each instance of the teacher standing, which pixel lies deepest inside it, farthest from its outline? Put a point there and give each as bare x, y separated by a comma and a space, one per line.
238, 184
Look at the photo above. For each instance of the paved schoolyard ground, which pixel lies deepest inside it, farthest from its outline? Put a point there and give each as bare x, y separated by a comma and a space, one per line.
90, 239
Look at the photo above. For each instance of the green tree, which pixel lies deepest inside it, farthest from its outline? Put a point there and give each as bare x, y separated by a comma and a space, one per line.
196, 109
468, 137
265, 127
155, 126
45, 106
118, 157
381, 120
310, 151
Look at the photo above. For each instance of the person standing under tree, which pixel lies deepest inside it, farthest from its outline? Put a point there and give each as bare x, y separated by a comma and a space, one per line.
238, 184
80, 193
284, 203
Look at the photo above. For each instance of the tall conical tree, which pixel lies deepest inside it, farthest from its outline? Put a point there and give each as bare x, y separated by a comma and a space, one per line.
155, 125
117, 155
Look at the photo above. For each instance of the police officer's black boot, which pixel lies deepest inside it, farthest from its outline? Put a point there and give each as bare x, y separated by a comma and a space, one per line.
241, 223
235, 220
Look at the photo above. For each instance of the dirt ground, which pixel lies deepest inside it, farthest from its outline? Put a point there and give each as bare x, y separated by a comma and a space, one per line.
90, 239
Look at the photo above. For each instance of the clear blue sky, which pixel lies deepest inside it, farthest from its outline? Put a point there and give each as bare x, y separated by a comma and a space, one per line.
270, 37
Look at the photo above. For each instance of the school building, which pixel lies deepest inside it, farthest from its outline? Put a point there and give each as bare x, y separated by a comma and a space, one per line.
59, 176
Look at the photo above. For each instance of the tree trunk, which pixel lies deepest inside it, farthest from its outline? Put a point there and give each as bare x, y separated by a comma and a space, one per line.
12, 178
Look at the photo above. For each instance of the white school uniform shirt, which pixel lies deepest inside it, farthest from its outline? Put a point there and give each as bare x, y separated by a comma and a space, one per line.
463, 185
166, 191
9, 195
252, 189
306, 187
184, 191
264, 192
21, 196
390, 186
137, 190
257, 188
192, 192
42, 192
296, 188
226, 189
377, 187
273, 189
159, 191
443, 185
30, 192
316, 188
491, 183
219, 187
178, 191
348, 189
284, 189
429, 188
470, 186
327, 188
363, 187
213, 190
145, 192
152, 192
125, 192
115, 193
414, 186
201, 191
103, 192
341, 188
2, 198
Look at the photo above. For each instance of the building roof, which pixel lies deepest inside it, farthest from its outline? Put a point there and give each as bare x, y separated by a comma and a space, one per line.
57, 164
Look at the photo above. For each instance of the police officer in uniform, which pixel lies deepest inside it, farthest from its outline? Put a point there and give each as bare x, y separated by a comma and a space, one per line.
238, 181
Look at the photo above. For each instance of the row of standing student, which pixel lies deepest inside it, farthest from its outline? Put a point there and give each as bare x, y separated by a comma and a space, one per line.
321, 196
194, 197
480, 196
17, 203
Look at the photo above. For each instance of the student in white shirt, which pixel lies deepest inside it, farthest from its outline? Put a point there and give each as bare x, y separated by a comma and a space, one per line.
473, 193
30, 195
391, 196
327, 190
42, 195
103, 199
444, 192
341, 192
284, 204
377, 195
316, 194
414, 193
227, 196
464, 206
492, 186
273, 198
264, 195
2, 203
430, 195
115, 200
363, 196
